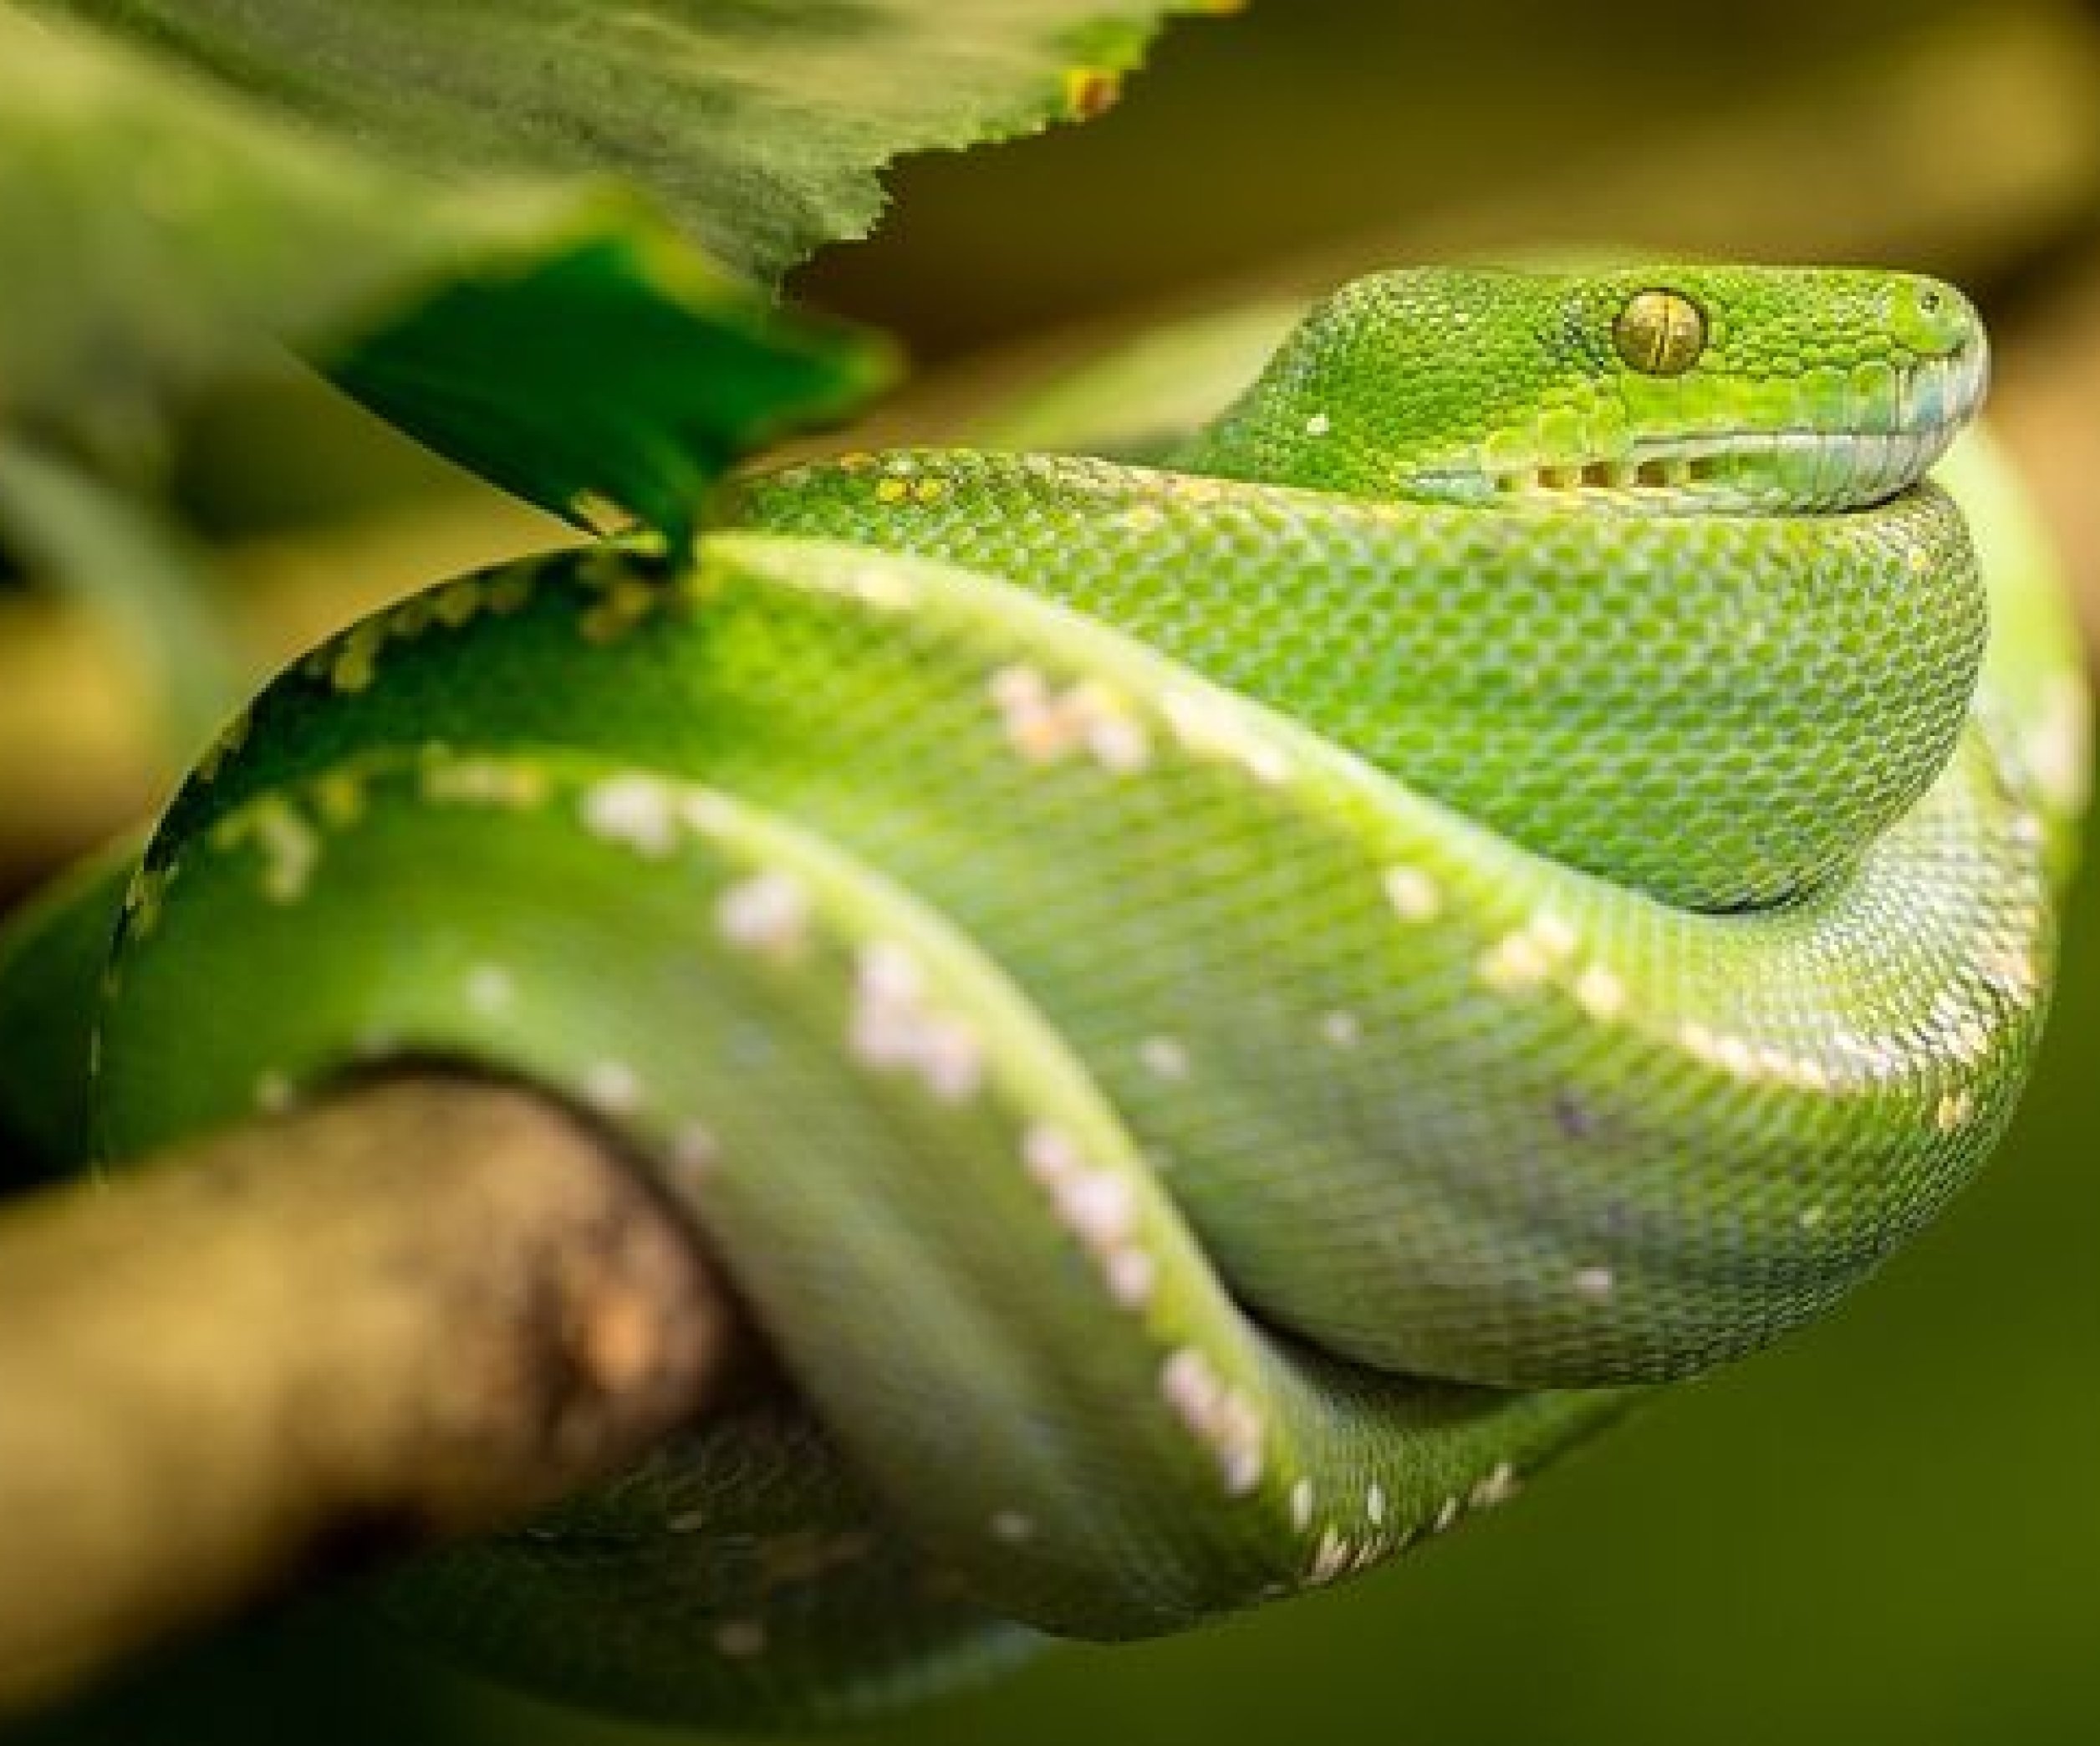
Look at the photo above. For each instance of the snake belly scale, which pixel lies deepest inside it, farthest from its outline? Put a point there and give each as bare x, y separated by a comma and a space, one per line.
1221, 1006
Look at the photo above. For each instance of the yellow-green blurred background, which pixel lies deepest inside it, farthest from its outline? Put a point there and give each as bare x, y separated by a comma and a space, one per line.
1887, 1531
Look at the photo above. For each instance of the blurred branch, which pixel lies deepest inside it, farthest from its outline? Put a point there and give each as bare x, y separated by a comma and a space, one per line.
416, 1311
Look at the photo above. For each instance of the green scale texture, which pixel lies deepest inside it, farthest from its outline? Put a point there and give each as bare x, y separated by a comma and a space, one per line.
1217, 1022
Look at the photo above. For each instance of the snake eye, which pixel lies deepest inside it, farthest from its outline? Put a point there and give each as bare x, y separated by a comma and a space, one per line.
1660, 333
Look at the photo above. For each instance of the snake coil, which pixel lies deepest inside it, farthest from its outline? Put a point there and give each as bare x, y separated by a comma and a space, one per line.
1222, 1005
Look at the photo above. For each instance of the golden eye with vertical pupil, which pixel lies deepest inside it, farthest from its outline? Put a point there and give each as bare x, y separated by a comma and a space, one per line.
1660, 333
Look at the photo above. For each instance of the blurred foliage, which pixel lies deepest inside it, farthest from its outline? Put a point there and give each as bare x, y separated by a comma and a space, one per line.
1880, 1534
761, 125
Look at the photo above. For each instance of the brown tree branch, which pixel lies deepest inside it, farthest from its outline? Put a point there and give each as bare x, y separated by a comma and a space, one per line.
417, 1310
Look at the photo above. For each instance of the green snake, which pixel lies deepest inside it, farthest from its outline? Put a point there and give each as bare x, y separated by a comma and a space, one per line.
1220, 1006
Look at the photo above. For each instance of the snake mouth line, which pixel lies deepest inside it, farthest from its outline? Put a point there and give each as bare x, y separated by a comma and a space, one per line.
1825, 468
1881, 450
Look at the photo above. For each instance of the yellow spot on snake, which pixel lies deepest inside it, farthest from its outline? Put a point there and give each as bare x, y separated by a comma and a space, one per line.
230, 741
290, 846
484, 782
352, 662
1954, 1110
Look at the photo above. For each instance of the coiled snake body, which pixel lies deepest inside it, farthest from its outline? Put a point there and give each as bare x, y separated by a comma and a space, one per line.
1220, 1010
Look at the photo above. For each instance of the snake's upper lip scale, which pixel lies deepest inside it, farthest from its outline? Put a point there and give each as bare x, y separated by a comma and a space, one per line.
1859, 465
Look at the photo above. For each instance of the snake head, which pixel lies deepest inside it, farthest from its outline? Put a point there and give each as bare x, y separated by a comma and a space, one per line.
1649, 389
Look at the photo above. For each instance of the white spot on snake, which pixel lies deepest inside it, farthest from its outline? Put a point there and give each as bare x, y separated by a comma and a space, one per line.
1600, 993
1191, 1388
1302, 1505
1809, 1217
1447, 1515
1143, 518
1208, 728
1596, 1283
766, 912
1555, 939
1165, 1058
1733, 1056
884, 589
1498, 1485
1318, 425
1050, 1153
1219, 1417
1330, 1559
894, 1027
1119, 743
1012, 1526
490, 989
1374, 1502
1098, 1206
1514, 963
1955, 1109
1131, 1274
638, 811
1241, 1464
274, 1094
740, 1639
611, 1086
1043, 726
1342, 1029
1413, 894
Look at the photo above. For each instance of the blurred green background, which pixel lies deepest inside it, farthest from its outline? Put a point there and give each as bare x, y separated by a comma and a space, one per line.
1887, 1531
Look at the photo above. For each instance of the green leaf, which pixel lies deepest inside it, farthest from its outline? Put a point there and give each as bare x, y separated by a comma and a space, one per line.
557, 337
759, 124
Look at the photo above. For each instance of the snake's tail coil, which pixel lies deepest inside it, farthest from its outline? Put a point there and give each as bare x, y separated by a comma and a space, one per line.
1160, 1146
